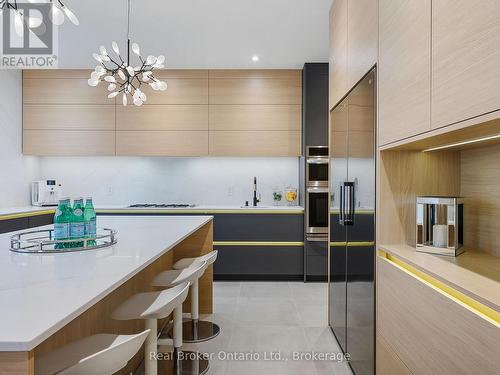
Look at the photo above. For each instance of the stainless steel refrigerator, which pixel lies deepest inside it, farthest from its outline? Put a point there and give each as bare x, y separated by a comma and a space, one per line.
352, 225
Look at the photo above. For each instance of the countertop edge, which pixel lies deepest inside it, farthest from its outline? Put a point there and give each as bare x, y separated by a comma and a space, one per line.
38, 211
489, 299
30, 345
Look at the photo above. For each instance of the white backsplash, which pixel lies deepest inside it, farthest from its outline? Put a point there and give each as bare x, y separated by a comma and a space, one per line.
16, 170
207, 181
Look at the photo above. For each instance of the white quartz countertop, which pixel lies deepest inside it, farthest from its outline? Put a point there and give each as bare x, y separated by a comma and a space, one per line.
204, 208
39, 294
23, 210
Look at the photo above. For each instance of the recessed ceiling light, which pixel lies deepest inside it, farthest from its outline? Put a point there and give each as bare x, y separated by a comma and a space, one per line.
255, 58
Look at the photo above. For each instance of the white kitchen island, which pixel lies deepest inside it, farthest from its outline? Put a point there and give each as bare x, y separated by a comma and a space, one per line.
51, 299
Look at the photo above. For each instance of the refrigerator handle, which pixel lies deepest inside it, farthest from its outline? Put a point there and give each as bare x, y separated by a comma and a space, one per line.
341, 204
352, 204
350, 198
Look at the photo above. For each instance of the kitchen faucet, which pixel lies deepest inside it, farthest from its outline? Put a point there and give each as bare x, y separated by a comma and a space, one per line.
255, 199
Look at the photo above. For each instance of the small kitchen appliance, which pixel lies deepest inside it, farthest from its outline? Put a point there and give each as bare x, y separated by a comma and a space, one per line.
440, 227
45, 193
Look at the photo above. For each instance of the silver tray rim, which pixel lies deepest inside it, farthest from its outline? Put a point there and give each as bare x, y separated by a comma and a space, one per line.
36, 244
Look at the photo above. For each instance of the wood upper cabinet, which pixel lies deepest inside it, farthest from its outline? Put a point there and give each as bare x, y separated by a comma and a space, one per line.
362, 40
338, 52
251, 113
162, 143
64, 116
255, 87
465, 60
162, 117
255, 143
404, 68
255, 112
62, 87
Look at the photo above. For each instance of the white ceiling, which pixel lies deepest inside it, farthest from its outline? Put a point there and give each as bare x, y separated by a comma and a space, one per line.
201, 33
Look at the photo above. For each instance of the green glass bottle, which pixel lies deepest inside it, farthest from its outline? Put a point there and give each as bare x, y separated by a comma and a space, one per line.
77, 226
62, 220
90, 221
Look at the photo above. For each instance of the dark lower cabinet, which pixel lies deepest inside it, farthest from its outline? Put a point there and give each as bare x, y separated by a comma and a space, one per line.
254, 246
259, 263
20, 223
316, 260
40, 220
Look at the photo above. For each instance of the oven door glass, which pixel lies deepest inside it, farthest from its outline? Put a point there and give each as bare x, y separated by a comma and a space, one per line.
317, 173
317, 217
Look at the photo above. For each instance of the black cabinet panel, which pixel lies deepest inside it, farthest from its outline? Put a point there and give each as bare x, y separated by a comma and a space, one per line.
40, 220
20, 223
316, 267
255, 227
259, 262
11, 225
315, 104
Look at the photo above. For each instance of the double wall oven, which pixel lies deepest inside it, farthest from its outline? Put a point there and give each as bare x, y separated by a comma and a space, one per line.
317, 204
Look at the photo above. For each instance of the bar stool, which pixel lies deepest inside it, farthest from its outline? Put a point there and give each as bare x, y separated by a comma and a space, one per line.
152, 306
194, 330
102, 354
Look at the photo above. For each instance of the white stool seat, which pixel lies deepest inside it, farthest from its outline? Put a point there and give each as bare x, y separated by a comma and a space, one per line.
152, 305
175, 277
101, 354
188, 262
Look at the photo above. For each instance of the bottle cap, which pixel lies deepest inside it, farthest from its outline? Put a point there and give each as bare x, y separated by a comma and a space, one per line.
89, 198
63, 199
78, 199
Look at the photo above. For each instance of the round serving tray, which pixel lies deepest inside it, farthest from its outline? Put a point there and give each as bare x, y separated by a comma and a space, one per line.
41, 242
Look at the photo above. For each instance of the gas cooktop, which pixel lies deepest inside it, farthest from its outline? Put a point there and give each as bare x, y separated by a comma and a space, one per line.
162, 205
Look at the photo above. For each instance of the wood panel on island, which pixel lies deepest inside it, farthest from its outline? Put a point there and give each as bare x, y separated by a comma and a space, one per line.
217, 113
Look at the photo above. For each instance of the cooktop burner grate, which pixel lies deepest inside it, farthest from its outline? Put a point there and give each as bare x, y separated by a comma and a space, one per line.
161, 205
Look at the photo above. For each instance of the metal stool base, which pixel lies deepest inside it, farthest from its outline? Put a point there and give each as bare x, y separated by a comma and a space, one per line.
200, 331
191, 363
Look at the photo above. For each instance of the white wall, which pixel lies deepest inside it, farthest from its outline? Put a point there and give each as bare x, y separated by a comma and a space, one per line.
207, 181
16, 170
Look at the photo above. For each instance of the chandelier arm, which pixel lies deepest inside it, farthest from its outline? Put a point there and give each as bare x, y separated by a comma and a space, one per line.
114, 62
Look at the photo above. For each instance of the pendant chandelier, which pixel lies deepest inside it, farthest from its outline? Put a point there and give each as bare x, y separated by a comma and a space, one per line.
57, 13
122, 77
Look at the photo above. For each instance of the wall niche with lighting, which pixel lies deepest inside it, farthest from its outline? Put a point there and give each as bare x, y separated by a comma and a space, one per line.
461, 163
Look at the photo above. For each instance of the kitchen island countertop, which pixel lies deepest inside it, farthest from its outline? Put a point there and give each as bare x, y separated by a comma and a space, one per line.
39, 294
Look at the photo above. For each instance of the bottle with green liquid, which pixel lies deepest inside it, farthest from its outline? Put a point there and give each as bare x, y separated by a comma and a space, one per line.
77, 226
90, 221
62, 220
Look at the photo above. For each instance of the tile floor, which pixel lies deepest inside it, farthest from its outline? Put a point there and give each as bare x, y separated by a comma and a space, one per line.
264, 317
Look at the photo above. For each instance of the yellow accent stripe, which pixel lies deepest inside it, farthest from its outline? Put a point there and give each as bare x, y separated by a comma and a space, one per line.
26, 214
256, 243
460, 298
213, 211
361, 212
351, 244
